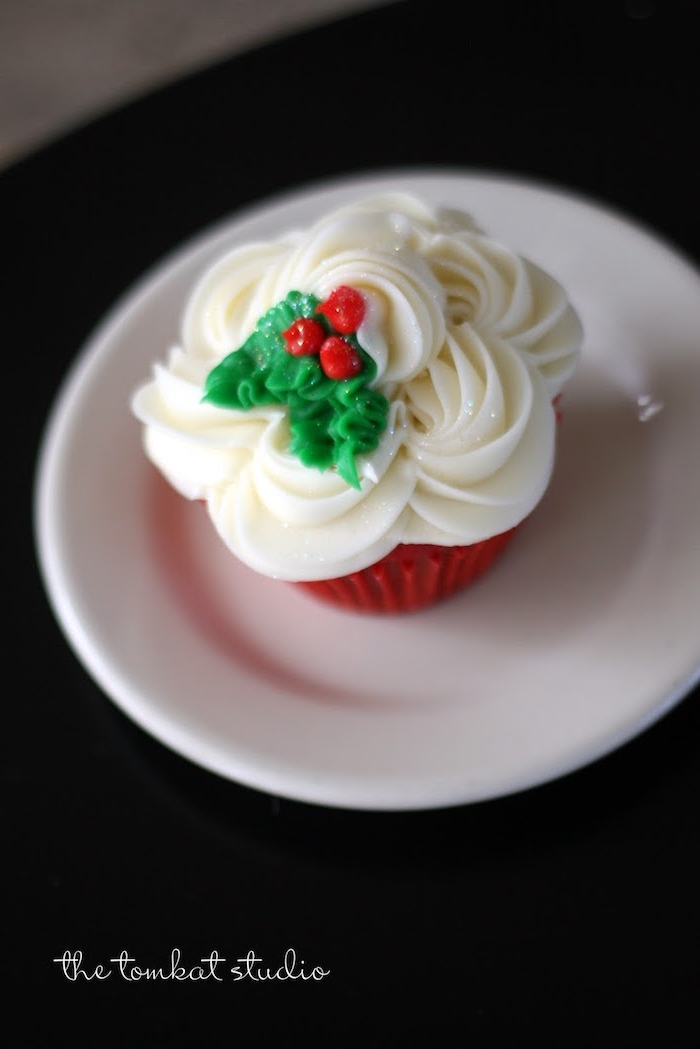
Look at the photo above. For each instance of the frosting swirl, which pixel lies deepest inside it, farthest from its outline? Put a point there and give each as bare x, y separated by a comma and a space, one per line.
471, 343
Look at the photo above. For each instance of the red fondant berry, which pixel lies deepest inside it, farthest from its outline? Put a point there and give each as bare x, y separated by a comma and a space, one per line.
304, 336
344, 308
339, 360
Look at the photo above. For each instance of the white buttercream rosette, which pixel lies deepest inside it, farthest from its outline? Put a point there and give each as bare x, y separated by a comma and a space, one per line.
472, 344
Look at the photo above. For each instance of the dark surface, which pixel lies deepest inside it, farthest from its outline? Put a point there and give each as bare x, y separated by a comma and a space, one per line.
569, 912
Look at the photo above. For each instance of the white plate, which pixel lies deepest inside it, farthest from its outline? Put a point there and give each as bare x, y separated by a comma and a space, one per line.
583, 635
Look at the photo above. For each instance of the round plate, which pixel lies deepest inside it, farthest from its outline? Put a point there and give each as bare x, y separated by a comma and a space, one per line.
582, 636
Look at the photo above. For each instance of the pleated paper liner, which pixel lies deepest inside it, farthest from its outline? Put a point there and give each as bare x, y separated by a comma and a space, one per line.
412, 576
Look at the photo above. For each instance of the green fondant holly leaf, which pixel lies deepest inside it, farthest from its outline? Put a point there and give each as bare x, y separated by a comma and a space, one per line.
331, 420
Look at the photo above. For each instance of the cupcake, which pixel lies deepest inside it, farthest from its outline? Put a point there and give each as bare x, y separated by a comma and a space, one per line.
367, 407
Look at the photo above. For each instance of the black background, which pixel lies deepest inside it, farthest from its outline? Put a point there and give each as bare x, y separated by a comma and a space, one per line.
570, 911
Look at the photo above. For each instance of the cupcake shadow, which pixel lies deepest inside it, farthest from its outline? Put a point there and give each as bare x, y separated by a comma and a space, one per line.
228, 607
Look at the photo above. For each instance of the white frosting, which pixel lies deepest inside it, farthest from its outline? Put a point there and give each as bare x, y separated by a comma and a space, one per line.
472, 344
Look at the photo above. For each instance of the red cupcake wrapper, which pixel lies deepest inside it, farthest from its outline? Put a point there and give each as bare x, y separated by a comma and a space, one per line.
412, 576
